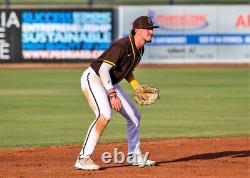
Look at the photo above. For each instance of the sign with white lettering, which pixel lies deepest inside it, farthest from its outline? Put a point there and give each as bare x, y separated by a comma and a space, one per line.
9, 35
55, 34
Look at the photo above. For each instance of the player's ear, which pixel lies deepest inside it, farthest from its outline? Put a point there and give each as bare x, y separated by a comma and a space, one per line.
137, 31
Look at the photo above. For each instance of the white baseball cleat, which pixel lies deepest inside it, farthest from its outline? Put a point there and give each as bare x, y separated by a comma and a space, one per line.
140, 160
86, 164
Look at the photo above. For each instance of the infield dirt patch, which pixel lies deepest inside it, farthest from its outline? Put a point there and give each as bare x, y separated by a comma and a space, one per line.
211, 157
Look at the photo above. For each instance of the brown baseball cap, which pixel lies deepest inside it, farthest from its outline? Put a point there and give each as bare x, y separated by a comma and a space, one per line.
143, 22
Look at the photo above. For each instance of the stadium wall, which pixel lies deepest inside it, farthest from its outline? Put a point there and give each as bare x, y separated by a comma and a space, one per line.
187, 34
194, 34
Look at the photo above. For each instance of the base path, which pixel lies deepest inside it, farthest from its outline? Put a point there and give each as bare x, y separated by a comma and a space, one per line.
211, 157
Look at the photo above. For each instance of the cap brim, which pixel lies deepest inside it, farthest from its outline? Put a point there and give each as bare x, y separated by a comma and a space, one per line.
146, 27
151, 27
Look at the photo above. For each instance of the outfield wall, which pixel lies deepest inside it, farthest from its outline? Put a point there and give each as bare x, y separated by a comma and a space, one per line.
30, 35
194, 34
187, 34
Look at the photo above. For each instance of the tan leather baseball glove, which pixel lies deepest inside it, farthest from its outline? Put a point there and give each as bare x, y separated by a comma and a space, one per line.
146, 95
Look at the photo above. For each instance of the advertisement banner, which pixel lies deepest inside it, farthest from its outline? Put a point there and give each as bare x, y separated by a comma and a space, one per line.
10, 35
55, 34
194, 34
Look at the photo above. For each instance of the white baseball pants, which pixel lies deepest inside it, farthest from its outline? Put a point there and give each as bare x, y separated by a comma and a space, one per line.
98, 100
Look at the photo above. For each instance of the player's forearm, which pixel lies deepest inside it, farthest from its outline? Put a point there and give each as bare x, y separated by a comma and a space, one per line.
105, 76
132, 81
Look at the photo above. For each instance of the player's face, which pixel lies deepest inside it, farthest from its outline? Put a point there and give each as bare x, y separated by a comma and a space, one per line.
147, 34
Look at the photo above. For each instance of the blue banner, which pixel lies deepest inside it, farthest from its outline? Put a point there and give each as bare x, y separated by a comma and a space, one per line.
65, 34
201, 39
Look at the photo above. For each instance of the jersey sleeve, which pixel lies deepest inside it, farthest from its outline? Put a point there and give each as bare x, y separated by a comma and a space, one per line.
113, 54
105, 76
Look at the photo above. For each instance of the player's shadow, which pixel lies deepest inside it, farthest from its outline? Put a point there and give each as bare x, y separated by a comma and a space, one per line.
204, 156
116, 166
208, 156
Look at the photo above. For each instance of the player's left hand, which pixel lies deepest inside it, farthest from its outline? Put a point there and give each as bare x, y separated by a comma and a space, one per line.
146, 95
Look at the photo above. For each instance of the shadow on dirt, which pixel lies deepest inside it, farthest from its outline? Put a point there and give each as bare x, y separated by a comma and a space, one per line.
204, 156
207, 156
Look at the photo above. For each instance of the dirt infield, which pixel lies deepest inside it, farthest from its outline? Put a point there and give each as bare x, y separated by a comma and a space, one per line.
211, 157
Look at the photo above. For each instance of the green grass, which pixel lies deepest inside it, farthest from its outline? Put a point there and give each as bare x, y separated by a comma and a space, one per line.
44, 107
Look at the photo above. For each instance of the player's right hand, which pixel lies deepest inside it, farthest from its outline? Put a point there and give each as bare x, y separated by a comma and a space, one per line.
114, 100
116, 103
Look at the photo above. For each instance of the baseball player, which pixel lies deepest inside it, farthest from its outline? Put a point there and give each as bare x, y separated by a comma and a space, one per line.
100, 85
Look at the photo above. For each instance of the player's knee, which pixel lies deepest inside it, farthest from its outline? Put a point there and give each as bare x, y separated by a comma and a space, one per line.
105, 112
106, 116
136, 118
137, 115
134, 115
101, 124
